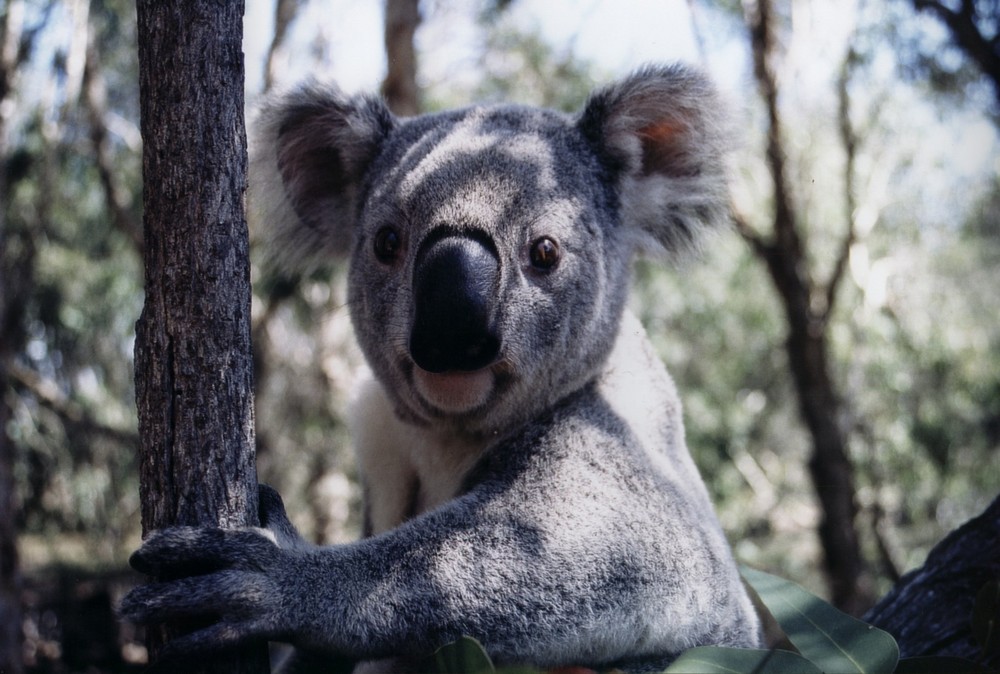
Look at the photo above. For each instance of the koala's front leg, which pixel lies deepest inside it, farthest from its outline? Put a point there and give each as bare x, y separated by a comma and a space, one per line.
394, 594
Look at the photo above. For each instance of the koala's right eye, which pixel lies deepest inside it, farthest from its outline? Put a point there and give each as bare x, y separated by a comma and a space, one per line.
387, 245
544, 254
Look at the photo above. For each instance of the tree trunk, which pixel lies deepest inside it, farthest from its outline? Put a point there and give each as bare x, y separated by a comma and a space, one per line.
17, 259
194, 377
10, 585
11, 336
819, 405
929, 611
400, 86
806, 346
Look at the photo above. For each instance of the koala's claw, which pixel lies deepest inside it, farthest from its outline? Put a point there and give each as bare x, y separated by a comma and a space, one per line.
271, 511
228, 594
230, 609
217, 637
190, 551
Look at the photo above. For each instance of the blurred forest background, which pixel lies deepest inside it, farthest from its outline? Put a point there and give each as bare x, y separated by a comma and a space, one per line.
836, 352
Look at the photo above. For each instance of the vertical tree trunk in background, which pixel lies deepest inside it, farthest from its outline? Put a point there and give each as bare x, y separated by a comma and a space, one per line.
10, 337
807, 308
17, 260
10, 595
10, 586
194, 377
284, 13
400, 86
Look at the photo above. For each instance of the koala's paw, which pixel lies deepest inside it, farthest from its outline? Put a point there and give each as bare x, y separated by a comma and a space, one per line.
230, 583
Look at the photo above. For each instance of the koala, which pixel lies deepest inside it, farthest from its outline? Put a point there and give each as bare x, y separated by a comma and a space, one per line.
520, 446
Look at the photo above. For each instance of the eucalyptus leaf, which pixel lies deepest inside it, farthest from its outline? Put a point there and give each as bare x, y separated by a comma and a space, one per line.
465, 656
717, 660
831, 639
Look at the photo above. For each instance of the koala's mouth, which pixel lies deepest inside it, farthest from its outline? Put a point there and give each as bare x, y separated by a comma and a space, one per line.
454, 392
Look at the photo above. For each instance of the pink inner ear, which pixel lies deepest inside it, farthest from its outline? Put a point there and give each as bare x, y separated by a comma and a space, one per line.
664, 149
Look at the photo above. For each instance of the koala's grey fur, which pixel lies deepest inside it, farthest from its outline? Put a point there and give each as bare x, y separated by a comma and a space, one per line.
532, 487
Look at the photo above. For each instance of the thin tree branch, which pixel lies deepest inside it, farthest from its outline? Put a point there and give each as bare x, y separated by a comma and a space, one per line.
759, 18
849, 139
749, 234
47, 392
889, 566
77, 55
284, 13
10, 44
95, 102
967, 34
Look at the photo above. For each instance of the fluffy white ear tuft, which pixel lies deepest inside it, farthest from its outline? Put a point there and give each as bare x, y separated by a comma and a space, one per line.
309, 154
663, 134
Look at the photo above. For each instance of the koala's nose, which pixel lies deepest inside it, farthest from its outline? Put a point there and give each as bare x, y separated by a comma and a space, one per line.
455, 283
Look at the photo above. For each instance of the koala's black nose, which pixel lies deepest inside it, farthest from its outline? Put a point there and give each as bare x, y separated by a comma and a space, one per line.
455, 285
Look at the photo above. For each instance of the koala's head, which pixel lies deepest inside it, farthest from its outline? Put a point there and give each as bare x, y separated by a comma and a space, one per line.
490, 247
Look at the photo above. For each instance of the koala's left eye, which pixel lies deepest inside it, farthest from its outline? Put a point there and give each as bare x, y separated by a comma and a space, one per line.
544, 254
387, 244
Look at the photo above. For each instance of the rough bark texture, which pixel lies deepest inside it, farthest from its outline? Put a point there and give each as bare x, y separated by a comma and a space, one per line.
194, 377
400, 86
806, 346
929, 611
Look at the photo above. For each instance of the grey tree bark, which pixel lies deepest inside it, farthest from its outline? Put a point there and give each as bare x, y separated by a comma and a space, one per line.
194, 376
930, 610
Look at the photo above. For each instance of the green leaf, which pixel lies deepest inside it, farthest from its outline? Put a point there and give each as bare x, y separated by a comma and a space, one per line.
465, 656
831, 639
937, 664
716, 660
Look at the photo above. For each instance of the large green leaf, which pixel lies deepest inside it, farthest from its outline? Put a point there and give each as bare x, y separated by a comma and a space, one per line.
716, 660
465, 656
831, 639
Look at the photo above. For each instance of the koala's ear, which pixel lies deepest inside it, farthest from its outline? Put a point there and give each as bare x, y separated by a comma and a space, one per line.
663, 134
312, 148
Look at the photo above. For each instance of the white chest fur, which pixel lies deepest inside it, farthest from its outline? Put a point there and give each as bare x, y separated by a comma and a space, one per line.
406, 469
